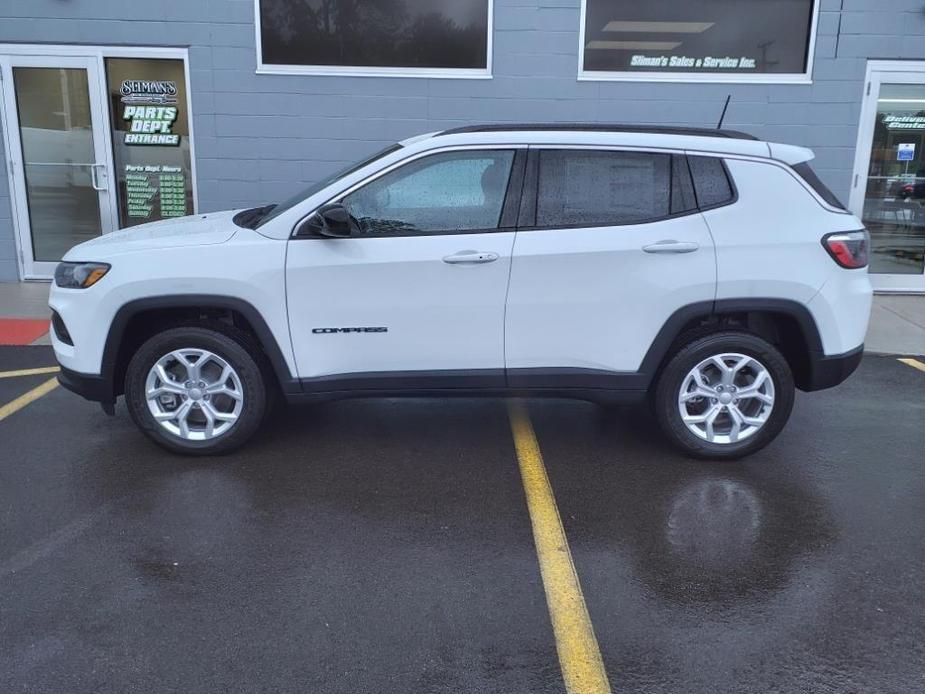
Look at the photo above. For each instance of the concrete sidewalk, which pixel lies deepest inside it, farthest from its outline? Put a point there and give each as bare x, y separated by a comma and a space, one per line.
897, 322
24, 300
897, 325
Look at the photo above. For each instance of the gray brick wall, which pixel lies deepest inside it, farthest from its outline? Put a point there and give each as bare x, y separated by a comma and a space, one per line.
259, 138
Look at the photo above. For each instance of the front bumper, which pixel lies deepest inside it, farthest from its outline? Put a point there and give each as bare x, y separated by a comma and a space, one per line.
829, 371
89, 386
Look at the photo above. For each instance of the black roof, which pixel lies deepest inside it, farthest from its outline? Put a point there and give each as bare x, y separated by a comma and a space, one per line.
601, 127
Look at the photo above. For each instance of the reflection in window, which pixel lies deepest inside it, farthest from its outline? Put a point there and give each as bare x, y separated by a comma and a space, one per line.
455, 191
739, 37
894, 201
588, 188
375, 33
53, 105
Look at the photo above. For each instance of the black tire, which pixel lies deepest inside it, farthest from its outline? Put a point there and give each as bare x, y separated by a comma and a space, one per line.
226, 342
692, 353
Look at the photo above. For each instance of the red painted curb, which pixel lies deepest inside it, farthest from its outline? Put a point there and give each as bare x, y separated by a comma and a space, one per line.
22, 331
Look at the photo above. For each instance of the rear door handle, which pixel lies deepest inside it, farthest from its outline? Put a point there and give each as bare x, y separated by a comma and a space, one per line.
471, 257
671, 246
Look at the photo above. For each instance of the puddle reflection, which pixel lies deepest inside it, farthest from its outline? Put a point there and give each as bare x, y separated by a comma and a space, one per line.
718, 537
714, 523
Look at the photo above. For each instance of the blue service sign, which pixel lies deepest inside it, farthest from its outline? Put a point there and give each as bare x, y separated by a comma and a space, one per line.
905, 151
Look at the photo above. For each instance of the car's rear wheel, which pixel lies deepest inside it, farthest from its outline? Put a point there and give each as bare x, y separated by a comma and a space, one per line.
196, 390
725, 395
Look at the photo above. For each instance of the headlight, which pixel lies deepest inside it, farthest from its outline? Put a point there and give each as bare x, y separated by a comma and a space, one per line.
79, 275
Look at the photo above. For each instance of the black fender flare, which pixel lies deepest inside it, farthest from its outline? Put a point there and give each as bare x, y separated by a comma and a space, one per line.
671, 330
129, 310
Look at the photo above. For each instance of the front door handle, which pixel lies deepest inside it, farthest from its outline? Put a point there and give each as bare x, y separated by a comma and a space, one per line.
671, 246
471, 257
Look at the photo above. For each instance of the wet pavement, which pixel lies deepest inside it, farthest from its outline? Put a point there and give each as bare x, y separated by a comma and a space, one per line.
385, 546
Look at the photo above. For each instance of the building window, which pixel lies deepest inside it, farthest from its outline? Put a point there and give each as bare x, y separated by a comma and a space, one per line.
427, 38
707, 40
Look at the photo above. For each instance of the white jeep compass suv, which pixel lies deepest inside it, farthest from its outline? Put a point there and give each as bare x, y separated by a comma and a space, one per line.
705, 268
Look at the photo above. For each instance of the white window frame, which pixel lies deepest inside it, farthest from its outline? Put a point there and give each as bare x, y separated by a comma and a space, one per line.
721, 78
371, 71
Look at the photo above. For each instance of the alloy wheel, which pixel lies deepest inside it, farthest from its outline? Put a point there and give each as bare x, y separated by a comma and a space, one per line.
726, 398
194, 394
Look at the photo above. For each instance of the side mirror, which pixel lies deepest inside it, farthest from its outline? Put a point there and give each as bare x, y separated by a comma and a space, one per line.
332, 220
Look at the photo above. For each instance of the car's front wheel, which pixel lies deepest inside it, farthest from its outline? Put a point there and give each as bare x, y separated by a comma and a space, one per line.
196, 390
725, 395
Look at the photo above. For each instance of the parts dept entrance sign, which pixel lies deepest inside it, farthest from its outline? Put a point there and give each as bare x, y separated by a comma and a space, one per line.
150, 124
151, 145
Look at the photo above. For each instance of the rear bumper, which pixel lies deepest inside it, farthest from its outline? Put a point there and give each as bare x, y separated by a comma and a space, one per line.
829, 371
89, 386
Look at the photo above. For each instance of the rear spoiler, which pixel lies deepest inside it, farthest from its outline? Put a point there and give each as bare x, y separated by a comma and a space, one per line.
789, 154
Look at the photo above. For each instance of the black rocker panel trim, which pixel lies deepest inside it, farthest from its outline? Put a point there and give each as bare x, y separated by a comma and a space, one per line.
405, 380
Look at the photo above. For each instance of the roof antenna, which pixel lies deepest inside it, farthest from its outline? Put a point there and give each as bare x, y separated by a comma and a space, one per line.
723, 114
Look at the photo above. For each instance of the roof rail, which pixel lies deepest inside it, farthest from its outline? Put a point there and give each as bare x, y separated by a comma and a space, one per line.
600, 127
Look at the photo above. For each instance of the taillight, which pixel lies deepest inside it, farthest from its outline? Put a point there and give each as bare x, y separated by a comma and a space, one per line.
849, 249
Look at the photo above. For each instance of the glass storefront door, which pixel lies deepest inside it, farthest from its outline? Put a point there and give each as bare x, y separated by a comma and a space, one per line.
59, 157
98, 139
889, 184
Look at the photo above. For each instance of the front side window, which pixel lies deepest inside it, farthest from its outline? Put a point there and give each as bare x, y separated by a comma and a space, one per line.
720, 40
442, 193
379, 36
602, 188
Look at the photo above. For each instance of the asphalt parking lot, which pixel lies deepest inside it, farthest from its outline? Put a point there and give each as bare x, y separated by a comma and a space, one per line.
387, 546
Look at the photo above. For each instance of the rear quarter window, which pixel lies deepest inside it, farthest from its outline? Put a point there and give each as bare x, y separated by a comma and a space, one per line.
712, 185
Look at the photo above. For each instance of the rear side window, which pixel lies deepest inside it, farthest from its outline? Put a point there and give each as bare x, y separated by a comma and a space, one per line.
602, 188
711, 182
806, 172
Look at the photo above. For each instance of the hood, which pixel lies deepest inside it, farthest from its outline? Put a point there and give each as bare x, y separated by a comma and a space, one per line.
195, 230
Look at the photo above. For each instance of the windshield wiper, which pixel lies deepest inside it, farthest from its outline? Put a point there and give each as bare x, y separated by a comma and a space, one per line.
249, 219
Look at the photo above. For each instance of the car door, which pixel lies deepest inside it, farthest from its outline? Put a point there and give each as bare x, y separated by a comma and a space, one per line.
610, 245
415, 297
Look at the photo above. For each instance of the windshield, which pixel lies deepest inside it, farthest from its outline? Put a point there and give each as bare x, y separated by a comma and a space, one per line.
272, 211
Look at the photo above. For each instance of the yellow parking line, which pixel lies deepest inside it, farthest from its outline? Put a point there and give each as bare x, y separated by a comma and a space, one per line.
30, 372
26, 398
579, 655
914, 363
